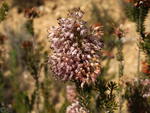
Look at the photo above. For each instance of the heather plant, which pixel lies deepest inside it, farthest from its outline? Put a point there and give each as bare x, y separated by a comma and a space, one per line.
73, 40
3, 13
31, 14
77, 54
138, 97
73, 58
26, 3
138, 14
70, 97
136, 101
107, 100
102, 81
2, 55
71, 93
98, 15
34, 67
33, 59
119, 33
22, 102
46, 88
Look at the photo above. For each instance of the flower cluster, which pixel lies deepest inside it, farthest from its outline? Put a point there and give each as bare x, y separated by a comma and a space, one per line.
108, 54
71, 93
124, 79
144, 87
138, 95
145, 3
146, 68
26, 45
119, 32
31, 13
75, 108
76, 48
2, 50
2, 39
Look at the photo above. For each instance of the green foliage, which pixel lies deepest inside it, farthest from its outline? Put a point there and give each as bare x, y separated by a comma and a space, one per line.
119, 55
33, 61
29, 26
145, 46
14, 69
13, 61
1, 83
64, 107
136, 102
107, 100
22, 102
3, 11
1, 88
131, 13
143, 12
119, 45
46, 88
83, 96
137, 15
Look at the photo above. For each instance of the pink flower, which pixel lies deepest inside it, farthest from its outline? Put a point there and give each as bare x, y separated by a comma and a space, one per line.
75, 47
71, 93
75, 108
71, 36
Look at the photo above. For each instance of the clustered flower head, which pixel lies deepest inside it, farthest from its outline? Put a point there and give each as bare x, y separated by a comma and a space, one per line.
144, 87
26, 45
144, 3
146, 68
76, 49
31, 13
75, 108
124, 79
2, 39
119, 32
2, 50
71, 93
143, 92
108, 54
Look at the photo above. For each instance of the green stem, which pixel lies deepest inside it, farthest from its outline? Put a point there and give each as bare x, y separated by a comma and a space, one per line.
37, 96
138, 67
120, 75
81, 92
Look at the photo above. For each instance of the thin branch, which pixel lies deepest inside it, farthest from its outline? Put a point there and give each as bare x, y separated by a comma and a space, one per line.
138, 67
37, 96
120, 75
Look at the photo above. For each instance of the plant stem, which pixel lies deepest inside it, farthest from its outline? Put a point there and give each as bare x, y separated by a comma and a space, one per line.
37, 96
138, 73
1, 86
96, 97
138, 67
120, 75
120, 100
33, 43
33, 36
